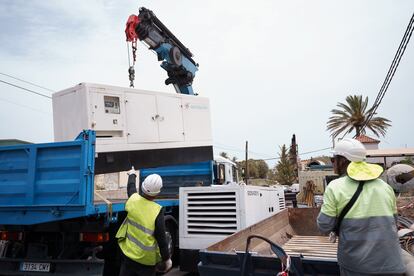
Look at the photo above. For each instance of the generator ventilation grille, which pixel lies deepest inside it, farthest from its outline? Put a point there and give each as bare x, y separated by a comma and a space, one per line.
213, 213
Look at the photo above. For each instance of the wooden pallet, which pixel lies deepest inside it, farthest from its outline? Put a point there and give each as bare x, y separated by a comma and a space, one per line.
312, 247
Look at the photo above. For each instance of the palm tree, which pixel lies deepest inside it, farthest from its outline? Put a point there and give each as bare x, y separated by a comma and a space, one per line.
353, 115
224, 154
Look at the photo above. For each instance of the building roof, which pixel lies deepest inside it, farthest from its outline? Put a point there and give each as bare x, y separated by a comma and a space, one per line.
390, 152
367, 140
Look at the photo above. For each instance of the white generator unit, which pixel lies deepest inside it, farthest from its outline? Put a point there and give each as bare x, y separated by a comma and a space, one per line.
209, 214
131, 119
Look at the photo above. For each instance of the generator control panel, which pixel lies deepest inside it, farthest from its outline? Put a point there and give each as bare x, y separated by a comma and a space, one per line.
112, 105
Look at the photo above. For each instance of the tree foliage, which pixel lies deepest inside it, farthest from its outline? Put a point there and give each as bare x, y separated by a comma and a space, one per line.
284, 172
227, 156
257, 168
224, 154
352, 115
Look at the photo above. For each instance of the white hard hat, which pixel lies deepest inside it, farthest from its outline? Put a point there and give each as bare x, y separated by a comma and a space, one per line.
351, 149
152, 185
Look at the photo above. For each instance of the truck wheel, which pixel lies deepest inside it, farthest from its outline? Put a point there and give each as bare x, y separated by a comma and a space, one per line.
171, 233
170, 241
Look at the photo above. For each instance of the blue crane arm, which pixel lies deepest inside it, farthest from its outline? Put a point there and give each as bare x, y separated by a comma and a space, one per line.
176, 58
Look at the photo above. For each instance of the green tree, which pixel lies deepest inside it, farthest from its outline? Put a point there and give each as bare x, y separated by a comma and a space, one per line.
262, 169
252, 168
257, 168
284, 170
352, 115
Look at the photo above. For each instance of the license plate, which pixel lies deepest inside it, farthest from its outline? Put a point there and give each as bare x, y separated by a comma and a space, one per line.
38, 267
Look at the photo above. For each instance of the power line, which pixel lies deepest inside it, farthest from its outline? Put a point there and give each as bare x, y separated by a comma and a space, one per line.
28, 82
303, 153
239, 150
227, 147
25, 106
236, 150
313, 151
394, 62
26, 89
391, 71
272, 158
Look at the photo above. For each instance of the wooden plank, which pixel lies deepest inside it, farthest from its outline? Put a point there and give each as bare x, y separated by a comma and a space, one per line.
322, 253
265, 228
311, 238
311, 246
311, 256
312, 242
279, 238
310, 249
311, 252
279, 229
333, 258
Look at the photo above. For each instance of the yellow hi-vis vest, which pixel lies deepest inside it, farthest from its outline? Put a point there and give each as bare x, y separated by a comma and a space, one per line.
136, 234
368, 239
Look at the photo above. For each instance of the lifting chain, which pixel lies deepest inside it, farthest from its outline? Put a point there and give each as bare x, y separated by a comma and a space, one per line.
131, 69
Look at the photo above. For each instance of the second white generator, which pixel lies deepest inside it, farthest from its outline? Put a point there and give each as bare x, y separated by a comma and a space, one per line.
209, 214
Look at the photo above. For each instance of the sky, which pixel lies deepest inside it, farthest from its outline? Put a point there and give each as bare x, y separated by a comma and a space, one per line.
270, 68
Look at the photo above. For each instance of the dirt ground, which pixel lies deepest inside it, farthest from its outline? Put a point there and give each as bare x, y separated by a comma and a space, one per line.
405, 206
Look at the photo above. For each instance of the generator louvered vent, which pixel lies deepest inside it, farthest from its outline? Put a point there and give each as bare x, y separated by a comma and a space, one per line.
281, 203
213, 213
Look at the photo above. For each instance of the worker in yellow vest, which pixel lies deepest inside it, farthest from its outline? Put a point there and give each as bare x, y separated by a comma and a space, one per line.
141, 236
361, 209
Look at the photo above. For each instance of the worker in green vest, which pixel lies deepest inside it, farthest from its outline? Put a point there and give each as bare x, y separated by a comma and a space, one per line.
368, 240
141, 236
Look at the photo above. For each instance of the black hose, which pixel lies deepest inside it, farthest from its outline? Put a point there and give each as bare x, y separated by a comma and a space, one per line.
280, 253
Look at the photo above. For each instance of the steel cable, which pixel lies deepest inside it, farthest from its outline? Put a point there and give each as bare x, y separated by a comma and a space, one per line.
26, 89
391, 71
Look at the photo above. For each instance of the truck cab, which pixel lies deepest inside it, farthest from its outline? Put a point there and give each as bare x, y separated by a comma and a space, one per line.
225, 171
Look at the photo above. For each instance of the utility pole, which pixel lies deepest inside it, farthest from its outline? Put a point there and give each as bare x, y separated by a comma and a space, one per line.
246, 170
293, 154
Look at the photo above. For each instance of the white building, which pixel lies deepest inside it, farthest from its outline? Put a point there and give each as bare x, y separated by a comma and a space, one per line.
383, 157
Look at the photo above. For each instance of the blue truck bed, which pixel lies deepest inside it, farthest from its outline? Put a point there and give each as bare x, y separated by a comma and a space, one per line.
52, 181
186, 175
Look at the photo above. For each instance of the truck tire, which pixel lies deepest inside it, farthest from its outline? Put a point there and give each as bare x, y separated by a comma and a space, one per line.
171, 233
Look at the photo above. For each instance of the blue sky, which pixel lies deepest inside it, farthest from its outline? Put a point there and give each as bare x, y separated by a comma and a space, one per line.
270, 68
